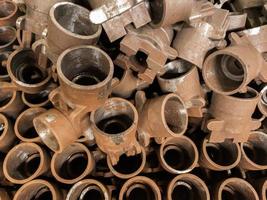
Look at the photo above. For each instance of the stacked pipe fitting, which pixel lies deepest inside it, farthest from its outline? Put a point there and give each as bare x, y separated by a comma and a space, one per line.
133, 100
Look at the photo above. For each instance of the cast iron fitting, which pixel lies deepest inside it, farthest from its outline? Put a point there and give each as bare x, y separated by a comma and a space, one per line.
182, 78
235, 188
36, 100
230, 70
114, 126
9, 13
148, 50
261, 187
25, 162
90, 83
7, 135
38, 190
89, 189
140, 187
160, 117
219, 156
25, 72
73, 164
7, 38
187, 186
254, 152
70, 22
121, 13
4, 77
24, 128
178, 155
226, 113
4, 195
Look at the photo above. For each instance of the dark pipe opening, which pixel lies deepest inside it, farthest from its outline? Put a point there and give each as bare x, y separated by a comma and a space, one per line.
3, 69
92, 193
43, 194
231, 194
141, 57
140, 192
37, 98
92, 76
29, 166
30, 133
156, 10
128, 164
255, 153
176, 69
6, 9
5, 98
185, 191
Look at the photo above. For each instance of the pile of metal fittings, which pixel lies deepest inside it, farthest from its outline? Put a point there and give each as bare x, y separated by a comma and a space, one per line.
133, 99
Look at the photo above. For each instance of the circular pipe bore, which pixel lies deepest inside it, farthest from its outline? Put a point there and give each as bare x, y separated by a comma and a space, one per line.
89, 189
36, 100
262, 105
235, 189
187, 186
24, 128
140, 188
7, 37
7, 10
25, 162
220, 156
178, 155
7, 136
38, 190
224, 73
73, 164
3, 70
254, 152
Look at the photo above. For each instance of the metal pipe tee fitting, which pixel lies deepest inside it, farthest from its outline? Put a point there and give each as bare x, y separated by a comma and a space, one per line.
230, 117
160, 117
182, 78
81, 91
115, 15
148, 50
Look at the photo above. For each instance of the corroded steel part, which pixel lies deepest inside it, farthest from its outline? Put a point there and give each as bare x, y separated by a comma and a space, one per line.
262, 104
254, 152
261, 187
245, 4
7, 38
187, 186
226, 113
25, 73
39, 189
148, 50
9, 13
73, 164
116, 15
4, 195
231, 69
178, 155
3, 64
7, 137
182, 78
234, 187
24, 128
114, 126
219, 156
160, 117
89, 188
25, 162
140, 187
68, 26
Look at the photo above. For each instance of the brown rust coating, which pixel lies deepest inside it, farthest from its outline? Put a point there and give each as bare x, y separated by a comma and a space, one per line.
182, 78
4, 195
9, 13
261, 187
7, 136
114, 126
254, 152
188, 185
226, 114
39, 189
219, 156
25, 162
4, 77
7, 38
235, 187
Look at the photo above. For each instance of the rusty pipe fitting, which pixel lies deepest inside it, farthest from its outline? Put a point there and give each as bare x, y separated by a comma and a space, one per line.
89, 189
7, 135
187, 186
71, 22
219, 156
148, 50
4, 195
38, 189
128, 166
25, 162
261, 187
9, 13
7, 37
114, 126
24, 128
182, 78
178, 155
73, 164
262, 104
229, 70
140, 187
121, 13
160, 117
226, 113
25, 72
4, 77
254, 152
235, 188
